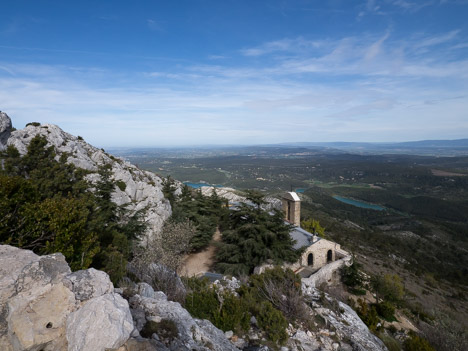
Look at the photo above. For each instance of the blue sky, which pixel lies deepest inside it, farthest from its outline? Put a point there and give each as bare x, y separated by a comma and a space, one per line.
197, 72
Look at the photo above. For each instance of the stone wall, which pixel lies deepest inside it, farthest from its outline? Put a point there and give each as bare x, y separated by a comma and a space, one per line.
326, 274
320, 250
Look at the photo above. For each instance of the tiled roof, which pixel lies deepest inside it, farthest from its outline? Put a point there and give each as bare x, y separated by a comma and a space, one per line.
302, 237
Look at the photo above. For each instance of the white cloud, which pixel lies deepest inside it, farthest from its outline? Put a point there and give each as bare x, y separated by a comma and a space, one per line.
374, 83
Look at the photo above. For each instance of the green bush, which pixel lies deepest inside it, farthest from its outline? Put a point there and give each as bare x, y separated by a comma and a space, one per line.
351, 276
234, 314
272, 322
121, 185
417, 343
368, 315
166, 329
281, 287
224, 309
35, 124
391, 343
386, 310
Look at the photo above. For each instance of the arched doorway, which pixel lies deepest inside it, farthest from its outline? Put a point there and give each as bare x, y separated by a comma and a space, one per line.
329, 256
310, 260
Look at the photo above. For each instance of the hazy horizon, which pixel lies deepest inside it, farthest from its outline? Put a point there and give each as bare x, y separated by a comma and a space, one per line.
188, 73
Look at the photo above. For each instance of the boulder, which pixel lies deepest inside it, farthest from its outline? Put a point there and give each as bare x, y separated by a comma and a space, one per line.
43, 306
34, 303
89, 283
102, 323
193, 334
37, 320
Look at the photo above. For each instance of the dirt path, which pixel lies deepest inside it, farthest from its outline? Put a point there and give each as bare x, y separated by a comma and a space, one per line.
200, 262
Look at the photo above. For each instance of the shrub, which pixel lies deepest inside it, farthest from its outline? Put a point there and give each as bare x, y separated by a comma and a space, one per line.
391, 343
368, 315
35, 124
121, 185
272, 322
386, 310
234, 313
282, 288
417, 343
166, 329
351, 276
225, 310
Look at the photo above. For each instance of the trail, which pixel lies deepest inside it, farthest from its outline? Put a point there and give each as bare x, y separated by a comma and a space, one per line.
200, 262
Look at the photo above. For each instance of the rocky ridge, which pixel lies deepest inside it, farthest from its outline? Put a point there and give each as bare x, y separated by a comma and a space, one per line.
139, 190
44, 306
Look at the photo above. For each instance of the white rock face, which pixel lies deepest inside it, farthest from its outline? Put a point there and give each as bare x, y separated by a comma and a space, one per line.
101, 323
89, 283
345, 322
235, 196
142, 189
193, 334
43, 306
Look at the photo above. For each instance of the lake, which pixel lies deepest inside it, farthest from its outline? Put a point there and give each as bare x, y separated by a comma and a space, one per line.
358, 203
199, 185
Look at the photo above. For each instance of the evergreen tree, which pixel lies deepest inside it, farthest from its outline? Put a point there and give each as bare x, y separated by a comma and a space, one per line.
254, 237
46, 206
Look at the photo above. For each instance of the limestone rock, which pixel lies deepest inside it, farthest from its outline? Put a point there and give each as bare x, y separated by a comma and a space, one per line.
102, 323
37, 321
89, 283
45, 307
140, 344
34, 303
234, 196
145, 290
5, 129
193, 334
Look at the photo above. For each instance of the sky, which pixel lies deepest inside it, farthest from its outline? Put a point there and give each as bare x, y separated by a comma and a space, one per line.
225, 72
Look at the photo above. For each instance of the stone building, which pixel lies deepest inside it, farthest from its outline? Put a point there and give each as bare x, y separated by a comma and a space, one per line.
318, 251
292, 208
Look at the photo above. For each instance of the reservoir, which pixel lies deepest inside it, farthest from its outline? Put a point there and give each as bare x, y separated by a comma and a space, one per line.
358, 203
199, 185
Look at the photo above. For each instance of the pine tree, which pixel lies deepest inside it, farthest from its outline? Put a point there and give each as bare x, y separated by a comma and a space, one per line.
254, 237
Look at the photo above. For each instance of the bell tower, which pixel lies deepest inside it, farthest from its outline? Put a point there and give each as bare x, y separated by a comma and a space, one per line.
292, 208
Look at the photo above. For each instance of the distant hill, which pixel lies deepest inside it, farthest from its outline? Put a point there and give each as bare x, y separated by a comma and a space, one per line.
423, 147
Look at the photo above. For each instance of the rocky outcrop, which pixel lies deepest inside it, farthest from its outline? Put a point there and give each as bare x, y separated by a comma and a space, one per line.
193, 334
102, 323
235, 196
5, 129
43, 306
137, 189
342, 324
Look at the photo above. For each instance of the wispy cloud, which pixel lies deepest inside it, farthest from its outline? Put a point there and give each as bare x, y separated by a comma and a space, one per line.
337, 87
284, 45
154, 25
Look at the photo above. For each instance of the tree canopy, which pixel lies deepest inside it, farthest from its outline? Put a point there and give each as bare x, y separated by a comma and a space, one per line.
45, 206
254, 236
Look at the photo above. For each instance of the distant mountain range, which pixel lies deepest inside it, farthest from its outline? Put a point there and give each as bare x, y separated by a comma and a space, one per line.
458, 147
416, 144
423, 147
